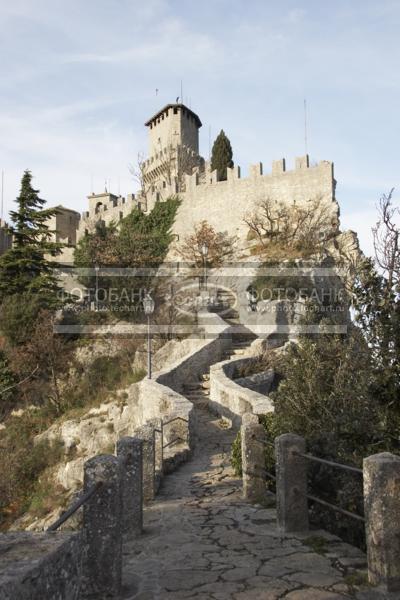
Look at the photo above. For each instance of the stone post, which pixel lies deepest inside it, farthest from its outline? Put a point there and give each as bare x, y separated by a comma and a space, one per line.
146, 434
130, 450
382, 523
157, 425
101, 533
253, 459
291, 483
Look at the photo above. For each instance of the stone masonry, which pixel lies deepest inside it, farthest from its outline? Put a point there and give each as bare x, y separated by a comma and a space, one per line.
204, 542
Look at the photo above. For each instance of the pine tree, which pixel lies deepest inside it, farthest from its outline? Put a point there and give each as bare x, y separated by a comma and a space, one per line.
221, 157
24, 269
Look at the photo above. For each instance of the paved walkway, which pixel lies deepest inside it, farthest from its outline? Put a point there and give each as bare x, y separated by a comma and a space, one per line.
202, 541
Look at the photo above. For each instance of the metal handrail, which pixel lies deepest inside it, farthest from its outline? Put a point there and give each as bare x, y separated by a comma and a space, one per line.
177, 439
336, 508
264, 442
74, 507
175, 419
330, 463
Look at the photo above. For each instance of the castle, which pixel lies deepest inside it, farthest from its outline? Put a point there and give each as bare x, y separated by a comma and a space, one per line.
174, 167
5, 237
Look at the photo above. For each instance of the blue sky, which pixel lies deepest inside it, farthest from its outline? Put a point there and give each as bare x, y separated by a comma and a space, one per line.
79, 79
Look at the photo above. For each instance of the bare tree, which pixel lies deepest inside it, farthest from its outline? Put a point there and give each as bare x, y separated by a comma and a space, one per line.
138, 172
174, 163
386, 240
294, 226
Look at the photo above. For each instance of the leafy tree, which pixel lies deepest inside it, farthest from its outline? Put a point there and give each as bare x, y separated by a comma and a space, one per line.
142, 240
220, 245
18, 314
221, 156
7, 381
24, 268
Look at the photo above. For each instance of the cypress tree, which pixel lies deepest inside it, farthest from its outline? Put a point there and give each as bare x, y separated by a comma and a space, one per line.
221, 156
24, 270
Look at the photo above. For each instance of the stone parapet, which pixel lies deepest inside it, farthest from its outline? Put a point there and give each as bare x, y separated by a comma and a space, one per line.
39, 566
230, 399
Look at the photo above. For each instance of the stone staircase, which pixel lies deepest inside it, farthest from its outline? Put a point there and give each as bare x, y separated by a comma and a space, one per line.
198, 392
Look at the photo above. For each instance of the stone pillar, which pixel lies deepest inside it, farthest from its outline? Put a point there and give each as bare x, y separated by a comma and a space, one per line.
101, 533
253, 459
146, 433
130, 452
382, 522
302, 162
157, 425
278, 166
291, 483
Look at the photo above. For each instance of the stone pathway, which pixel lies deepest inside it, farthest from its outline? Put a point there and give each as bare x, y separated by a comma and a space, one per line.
202, 541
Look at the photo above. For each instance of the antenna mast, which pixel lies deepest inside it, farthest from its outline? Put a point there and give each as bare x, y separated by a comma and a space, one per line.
2, 194
305, 126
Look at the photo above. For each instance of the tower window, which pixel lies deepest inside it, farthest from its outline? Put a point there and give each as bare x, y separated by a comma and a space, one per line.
175, 111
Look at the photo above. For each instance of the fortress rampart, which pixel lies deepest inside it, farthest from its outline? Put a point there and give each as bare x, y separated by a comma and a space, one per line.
225, 203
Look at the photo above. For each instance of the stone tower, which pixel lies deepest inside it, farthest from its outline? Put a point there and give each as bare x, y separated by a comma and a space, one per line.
173, 151
174, 125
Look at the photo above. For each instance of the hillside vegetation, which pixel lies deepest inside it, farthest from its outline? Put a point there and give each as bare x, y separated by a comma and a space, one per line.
46, 377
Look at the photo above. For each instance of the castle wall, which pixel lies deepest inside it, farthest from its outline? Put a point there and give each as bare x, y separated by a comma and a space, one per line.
108, 208
65, 225
5, 238
224, 203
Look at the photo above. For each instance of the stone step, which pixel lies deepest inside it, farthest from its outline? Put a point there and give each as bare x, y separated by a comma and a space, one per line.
197, 392
201, 404
187, 387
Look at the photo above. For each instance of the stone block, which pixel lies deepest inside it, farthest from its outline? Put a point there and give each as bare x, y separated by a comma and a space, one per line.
291, 483
102, 531
253, 459
146, 434
130, 452
382, 510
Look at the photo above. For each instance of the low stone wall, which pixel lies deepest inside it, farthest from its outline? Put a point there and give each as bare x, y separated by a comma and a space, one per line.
40, 565
259, 382
98, 430
231, 400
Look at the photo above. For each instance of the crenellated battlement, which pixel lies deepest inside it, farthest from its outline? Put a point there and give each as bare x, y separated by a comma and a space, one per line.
278, 168
107, 207
224, 204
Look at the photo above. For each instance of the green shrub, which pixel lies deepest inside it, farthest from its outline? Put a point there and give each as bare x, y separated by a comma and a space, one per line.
236, 455
22, 464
